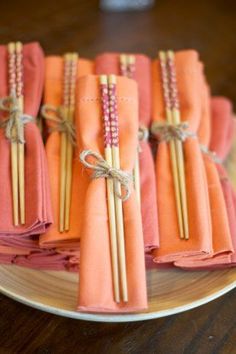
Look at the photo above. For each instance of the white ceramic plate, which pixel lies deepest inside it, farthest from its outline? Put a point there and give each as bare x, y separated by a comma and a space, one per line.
170, 291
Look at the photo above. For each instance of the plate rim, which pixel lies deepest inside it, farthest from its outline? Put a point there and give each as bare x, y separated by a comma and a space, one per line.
114, 318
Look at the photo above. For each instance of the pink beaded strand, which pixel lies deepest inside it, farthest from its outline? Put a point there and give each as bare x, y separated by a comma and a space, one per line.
165, 84
105, 113
113, 115
12, 72
19, 72
173, 84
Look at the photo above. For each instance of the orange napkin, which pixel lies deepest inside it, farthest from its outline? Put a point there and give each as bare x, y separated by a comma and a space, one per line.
95, 285
221, 237
53, 91
172, 247
37, 202
108, 63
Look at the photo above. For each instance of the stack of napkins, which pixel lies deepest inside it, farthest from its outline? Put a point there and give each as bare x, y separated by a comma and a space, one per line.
148, 182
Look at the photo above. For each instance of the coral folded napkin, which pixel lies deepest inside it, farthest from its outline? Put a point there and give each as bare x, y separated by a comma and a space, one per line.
172, 247
108, 63
37, 200
223, 134
221, 237
47, 260
53, 95
95, 285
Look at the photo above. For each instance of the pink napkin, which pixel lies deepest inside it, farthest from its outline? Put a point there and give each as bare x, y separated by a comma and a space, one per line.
223, 134
37, 201
47, 260
108, 63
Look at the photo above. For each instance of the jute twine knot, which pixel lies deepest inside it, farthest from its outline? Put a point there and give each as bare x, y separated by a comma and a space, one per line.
212, 154
63, 125
143, 133
103, 170
14, 123
167, 132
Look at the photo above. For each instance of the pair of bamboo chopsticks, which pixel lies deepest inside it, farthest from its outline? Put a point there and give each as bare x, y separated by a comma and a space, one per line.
127, 68
176, 148
115, 208
15, 80
66, 151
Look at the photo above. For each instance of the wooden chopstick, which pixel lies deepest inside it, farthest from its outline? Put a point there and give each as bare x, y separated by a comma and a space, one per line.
164, 73
110, 188
127, 66
63, 147
118, 201
131, 65
14, 158
179, 146
21, 146
69, 154
123, 64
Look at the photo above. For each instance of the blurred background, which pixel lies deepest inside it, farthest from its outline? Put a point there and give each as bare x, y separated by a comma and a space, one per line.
80, 25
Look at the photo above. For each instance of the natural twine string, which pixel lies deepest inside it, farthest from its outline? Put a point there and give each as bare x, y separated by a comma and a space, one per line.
63, 125
143, 136
143, 133
103, 170
15, 120
212, 154
167, 132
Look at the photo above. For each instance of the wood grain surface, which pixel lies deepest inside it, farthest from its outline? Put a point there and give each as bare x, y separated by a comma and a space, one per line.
63, 25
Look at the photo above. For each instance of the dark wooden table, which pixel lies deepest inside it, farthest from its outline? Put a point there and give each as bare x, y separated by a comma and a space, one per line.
63, 25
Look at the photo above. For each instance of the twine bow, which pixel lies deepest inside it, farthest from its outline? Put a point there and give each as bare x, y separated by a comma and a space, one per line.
212, 154
167, 132
14, 123
103, 170
63, 125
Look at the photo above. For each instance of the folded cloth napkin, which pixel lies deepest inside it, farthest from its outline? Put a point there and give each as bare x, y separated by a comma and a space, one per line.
108, 63
46, 260
95, 285
13, 250
37, 200
32, 256
20, 245
221, 237
222, 137
199, 244
53, 95
223, 126
6, 258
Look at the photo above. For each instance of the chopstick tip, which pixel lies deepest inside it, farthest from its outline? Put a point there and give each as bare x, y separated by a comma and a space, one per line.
19, 46
11, 47
162, 55
112, 79
103, 79
170, 54
131, 59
